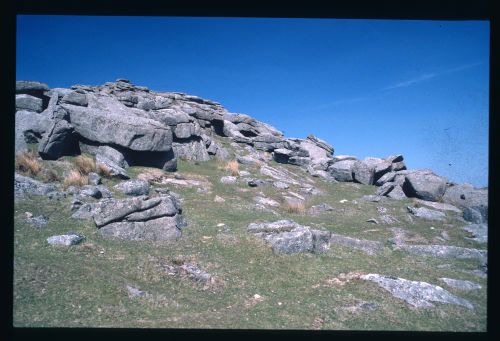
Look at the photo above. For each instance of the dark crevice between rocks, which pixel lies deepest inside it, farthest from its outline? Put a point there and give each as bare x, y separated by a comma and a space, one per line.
408, 190
164, 160
247, 133
187, 139
218, 126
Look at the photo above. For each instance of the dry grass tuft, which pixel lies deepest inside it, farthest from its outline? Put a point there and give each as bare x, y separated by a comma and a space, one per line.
295, 207
75, 178
85, 164
103, 170
28, 163
152, 175
233, 167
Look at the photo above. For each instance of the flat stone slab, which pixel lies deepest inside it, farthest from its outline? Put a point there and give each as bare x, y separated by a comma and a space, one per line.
426, 213
445, 251
418, 294
461, 284
438, 205
370, 247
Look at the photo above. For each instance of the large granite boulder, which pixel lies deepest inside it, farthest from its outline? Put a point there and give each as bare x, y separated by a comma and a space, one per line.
29, 103
473, 201
342, 170
425, 185
58, 140
138, 218
29, 128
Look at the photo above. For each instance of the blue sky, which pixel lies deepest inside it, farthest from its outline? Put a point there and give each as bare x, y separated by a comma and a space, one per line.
368, 87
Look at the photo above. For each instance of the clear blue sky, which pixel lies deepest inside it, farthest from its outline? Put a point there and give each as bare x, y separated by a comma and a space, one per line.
368, 87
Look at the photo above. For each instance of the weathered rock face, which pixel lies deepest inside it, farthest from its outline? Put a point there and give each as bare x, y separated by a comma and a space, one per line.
425, 185
134, 187
139, 218
25, 185
342, 170
58, 140
473, 201
29, 103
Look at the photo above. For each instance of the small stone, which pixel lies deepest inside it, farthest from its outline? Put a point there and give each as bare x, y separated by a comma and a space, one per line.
65, 239
372, 220
219, 199
221, 224
257, 296
343, 201
228, 180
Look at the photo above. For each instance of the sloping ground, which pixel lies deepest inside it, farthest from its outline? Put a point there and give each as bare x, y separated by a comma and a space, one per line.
96, 282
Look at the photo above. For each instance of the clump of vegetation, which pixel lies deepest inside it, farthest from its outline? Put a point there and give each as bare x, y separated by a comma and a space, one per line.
103, 170
75, 178
294, 207
85, 164
27, 163
233, 167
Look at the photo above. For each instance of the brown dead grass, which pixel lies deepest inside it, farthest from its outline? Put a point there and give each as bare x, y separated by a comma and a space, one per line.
85, 164
295, 208
75, 178
233, 167
103, 170
152, 175
27, 163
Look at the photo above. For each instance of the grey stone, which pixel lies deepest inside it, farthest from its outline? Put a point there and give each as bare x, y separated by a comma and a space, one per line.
321, 208
30, 87
133, 187
369, 247
438, 205
280, 185
466, 196
275, 227
446, 251
113, 155
266, 201
256, 182
94, 179
38, 221
194, 272
91, 191
164, 228
321, 240
75, 98
426, 213
248, 160
115, 170
479, 232
29, 128
460, 284
385, 188
387, 177
228, 180
120, 128
299, 161
135, 292
186, 130
394, 158
193, 150
320, 143
342, 170
418, 294
473, 215
363, 173
26, 185
65, 239
388, 219
58, 140
398, 166
29, 103
424, 185
298, 240
397, 193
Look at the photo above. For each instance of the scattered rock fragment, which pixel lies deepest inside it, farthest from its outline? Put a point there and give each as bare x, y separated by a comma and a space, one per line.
426, 213
370, 247
228, 180
66, 239
461, 284
134, 187
418, 294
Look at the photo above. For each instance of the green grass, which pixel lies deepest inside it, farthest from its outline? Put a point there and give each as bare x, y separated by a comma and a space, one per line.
84, 285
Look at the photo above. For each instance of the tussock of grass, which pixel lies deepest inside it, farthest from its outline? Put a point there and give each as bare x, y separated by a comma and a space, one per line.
233, 167
85, 164
28, 164
103, 170
294, 207
75, 178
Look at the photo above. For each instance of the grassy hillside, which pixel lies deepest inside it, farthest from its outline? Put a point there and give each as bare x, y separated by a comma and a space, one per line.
85, 285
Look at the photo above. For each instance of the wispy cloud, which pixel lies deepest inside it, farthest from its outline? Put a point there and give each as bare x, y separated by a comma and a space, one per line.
341, 101
427, 76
